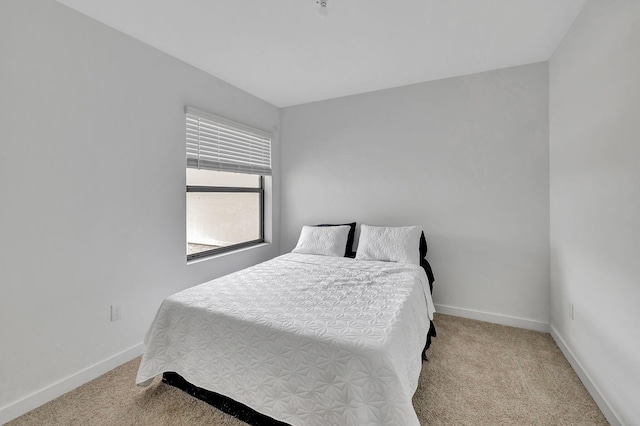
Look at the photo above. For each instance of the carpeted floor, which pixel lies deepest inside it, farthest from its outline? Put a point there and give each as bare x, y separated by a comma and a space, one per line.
478, 374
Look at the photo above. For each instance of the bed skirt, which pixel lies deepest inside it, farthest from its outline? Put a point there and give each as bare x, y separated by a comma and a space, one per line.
221, 402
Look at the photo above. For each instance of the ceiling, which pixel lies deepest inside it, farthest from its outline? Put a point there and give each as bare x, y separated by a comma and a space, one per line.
282, 51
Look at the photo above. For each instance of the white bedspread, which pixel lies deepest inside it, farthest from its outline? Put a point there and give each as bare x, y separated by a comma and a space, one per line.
305, 339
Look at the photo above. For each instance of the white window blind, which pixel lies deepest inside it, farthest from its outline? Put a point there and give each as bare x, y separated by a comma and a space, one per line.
214, 143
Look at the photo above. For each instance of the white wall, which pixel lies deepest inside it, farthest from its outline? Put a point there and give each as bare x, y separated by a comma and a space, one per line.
92, 193
595, 200
466, 158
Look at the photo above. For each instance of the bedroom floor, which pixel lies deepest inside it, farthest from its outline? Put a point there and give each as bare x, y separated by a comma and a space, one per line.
478, 374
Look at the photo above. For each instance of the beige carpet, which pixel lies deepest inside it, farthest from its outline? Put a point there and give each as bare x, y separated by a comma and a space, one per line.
478, 374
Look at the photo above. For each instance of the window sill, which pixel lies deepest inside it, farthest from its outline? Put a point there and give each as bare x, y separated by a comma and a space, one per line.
227, 253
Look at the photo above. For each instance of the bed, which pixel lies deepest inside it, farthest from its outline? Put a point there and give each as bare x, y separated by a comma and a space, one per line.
303, 339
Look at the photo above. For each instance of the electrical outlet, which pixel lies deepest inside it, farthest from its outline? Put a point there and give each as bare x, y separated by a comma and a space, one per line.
116, 312
571, 310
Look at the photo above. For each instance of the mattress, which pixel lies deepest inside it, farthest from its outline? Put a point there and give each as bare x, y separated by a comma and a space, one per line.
304, 339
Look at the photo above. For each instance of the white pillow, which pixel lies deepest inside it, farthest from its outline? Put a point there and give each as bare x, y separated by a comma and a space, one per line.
324, 240
390, 243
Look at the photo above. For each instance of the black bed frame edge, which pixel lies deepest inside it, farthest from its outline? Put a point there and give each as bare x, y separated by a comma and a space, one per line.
221, 402
432, 328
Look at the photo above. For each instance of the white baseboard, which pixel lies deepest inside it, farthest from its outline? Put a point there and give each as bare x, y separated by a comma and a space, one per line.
494, 318
592, 388
36, 399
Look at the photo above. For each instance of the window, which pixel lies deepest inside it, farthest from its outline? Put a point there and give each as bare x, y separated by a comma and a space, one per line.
226, 167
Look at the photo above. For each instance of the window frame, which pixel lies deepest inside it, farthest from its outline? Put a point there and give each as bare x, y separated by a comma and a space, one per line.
231, 189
